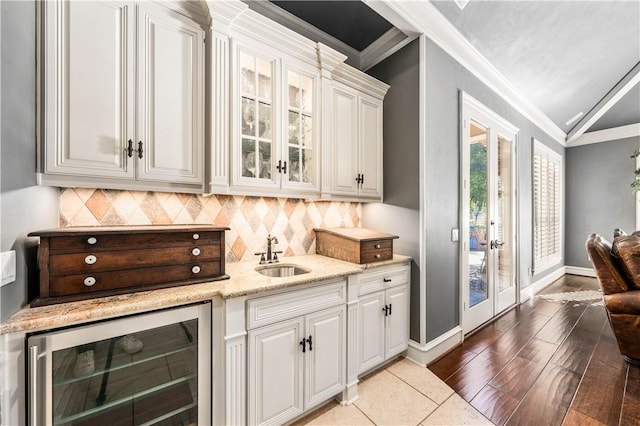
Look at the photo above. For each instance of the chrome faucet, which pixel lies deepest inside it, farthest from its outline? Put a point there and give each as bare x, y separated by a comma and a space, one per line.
271, 255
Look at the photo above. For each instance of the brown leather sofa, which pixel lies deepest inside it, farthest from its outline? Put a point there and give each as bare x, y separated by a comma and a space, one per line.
617, 268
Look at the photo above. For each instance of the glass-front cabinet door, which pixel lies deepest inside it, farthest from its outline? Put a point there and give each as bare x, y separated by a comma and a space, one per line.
254, 152
144, 370
299, 147
275, 126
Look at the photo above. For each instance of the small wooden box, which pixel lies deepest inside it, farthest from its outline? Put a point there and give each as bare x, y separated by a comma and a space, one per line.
85, 262
357, 245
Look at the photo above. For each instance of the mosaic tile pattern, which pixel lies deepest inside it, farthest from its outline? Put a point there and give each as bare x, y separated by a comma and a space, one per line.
251, 219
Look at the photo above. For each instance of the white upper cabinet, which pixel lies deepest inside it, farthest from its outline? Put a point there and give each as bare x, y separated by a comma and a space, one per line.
122, 97
274, 134
352, 138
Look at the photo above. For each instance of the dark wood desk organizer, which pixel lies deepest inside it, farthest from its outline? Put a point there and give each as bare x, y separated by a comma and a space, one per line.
356, 245
79, 263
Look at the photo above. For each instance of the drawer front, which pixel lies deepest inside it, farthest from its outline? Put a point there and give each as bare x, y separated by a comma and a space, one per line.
291, 304
131, 241
94, 261
375, 251
104, 281
383, 278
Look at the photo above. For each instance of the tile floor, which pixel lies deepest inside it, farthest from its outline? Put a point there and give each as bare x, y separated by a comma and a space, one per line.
403, 393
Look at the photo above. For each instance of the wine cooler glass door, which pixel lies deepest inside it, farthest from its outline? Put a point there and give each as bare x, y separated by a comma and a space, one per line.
142, 370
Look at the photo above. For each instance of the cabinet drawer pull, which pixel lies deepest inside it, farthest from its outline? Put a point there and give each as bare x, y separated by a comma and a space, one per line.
140, 149
90, 260
310, 343
378, 256
303, 343
92, 240
195, 269
196, 236
195, 251
89, 281
378, 246
386, 280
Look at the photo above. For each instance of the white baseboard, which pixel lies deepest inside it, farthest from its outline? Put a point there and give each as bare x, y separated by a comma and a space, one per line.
424, 354
576, 270
539, 285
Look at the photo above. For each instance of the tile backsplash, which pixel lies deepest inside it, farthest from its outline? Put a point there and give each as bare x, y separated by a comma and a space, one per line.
251, 219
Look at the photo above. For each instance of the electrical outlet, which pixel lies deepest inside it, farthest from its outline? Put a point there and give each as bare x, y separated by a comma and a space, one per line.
454, 235
8, 261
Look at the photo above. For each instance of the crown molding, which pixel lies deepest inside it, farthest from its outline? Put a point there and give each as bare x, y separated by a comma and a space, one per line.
255, 26
627, 83
301, 27
423, 17
224, 12
357, 79
613, 134
329, 58
386, 45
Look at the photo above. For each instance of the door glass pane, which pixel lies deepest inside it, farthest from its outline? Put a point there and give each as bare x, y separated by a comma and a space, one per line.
248, 117
248, 158
264, 79
248, 74
478, 232
148, 377
504, 216
264, 128
294, 164
265, 160
300, 127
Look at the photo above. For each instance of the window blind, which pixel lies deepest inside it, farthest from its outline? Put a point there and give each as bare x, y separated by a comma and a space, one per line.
547, 187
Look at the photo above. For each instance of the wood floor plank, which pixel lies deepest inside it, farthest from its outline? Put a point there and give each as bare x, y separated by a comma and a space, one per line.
494, 404
452, 362
517, 377
630, 414
600, 393
574, 353
514, 340
559, 327
549, 398
575, 418
481, 339
477, 373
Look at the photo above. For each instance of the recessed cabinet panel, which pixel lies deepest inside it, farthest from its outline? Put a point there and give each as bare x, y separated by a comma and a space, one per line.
170, 93
275, 372
370, 147
345, 135
372, 328
88, 91
397, 333
326, 346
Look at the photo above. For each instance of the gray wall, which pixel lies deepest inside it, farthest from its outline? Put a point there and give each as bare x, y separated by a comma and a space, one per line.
400, 213
445, 79
24, 207
598, 194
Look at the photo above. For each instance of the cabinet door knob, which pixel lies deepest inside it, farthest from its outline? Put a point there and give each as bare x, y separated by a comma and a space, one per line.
90, 260
92, 240
89, 281
196, 236
195, 251
195, 269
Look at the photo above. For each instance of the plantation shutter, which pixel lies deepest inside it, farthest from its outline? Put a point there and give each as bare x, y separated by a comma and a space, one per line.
547, 185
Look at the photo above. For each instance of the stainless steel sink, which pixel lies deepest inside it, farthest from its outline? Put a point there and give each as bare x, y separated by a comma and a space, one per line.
280, 271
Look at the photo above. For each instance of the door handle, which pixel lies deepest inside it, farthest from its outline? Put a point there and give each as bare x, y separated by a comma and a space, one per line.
496, 244
140, 149
303, 342
310, 343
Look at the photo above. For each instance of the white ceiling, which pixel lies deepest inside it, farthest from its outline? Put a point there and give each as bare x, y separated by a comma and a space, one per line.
565, 56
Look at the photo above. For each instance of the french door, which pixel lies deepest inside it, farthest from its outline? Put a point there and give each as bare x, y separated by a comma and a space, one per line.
488, 249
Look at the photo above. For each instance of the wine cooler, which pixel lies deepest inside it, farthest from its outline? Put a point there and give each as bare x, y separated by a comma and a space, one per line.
148, 369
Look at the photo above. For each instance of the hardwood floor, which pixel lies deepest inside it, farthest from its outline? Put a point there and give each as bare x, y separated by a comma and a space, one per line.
547, 362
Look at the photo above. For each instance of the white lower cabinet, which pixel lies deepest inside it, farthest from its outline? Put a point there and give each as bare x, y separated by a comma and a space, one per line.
297, 363
383, 315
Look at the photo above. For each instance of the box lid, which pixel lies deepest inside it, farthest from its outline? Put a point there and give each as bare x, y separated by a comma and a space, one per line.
357, 234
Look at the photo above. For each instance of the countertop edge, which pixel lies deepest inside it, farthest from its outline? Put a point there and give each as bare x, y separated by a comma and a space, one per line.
42, 318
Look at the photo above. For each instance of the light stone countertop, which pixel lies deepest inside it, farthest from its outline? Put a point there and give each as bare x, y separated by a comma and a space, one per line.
244, 281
